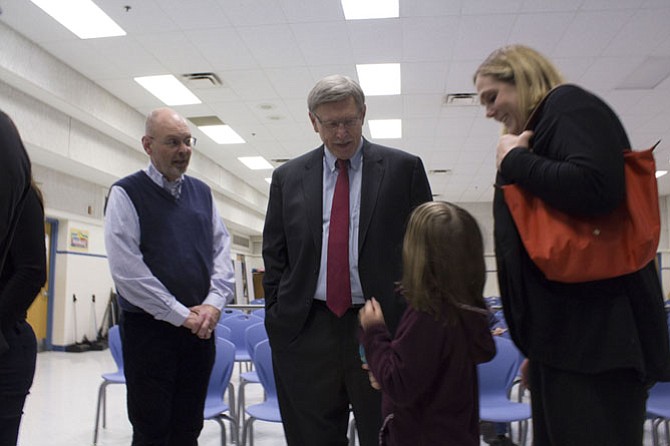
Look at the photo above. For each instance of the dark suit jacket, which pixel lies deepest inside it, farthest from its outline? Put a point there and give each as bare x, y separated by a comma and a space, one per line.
393, 184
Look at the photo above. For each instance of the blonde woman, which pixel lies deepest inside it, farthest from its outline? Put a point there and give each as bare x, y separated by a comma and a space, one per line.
594, 348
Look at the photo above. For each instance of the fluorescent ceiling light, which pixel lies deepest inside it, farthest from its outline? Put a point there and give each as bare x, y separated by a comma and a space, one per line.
370, 9
269, 180
660, 173
83, 17
215, 128
385, 128
222, 134
255, 162
379, 79
168, 89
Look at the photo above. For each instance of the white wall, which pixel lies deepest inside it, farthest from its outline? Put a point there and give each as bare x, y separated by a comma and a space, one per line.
82, 273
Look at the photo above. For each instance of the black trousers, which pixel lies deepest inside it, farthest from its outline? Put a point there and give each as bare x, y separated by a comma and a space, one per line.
167, 371
17, 369
319, 376
577, 409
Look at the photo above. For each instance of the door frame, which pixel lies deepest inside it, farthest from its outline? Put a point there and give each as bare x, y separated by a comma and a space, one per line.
53, 243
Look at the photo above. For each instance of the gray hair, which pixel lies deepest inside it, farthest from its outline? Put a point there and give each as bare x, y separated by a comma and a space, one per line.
335, 88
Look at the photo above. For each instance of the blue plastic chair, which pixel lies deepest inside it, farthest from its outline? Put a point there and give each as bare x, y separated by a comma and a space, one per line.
238, 324
268, 410
253, 335
227, 312
658, 410
494, 302
495, 380
221, 331
259, 312
118, 377
219, 381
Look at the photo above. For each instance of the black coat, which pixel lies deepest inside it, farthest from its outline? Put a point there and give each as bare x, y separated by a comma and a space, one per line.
577, 166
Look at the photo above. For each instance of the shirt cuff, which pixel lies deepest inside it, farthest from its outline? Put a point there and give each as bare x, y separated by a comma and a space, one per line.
177, 315
215, 300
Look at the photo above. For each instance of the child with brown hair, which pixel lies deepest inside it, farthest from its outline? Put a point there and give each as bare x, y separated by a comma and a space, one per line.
428, 372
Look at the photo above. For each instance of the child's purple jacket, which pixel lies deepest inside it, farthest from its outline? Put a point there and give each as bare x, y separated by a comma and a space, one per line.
428, 375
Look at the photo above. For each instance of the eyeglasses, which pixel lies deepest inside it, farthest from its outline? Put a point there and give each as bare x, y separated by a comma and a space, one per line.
332, 126
174, 143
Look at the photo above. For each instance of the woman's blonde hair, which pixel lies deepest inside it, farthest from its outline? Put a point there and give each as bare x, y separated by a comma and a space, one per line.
443, 261
532, 74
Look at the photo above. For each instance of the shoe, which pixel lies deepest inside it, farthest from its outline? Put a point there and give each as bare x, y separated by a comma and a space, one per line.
502, 441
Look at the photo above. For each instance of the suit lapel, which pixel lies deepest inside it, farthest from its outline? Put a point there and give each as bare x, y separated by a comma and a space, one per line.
312, 189
373, 173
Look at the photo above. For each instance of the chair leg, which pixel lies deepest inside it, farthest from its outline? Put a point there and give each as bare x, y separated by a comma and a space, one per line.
101, 404
223, 430
231, 401
251, 435
104, 409
234, 429
248, 432
240, 401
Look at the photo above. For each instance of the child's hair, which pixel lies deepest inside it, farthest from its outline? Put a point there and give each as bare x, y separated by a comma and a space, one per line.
443, 261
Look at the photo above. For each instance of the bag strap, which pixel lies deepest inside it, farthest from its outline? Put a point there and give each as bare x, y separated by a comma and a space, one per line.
535, 115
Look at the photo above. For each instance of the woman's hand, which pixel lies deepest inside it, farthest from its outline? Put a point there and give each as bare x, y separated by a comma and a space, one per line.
371, 314
373, 382
508, 142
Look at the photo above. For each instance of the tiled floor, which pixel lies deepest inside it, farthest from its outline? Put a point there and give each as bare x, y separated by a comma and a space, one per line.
60, 411
61, 408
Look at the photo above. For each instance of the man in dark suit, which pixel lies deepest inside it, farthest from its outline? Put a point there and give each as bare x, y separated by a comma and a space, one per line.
311, 315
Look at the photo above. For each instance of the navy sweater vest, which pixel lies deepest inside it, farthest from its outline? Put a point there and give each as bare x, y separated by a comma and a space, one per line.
176, 235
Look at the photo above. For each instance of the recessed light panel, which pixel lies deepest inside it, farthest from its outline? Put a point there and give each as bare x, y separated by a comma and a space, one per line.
168, 89
379, 79
255, 162
222, 134
370, 9
83, 17
385, 128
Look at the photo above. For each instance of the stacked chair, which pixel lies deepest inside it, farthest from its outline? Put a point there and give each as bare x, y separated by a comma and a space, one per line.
253, 335
495, 381
268, 410
219, 380
117, 377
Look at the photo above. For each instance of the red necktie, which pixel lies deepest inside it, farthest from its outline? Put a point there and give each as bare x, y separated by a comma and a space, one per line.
338, 285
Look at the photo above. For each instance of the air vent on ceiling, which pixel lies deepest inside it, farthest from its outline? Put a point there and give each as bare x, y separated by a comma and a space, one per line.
202, 80
279, 160
200, 121
461, 99
439, 171
241, 241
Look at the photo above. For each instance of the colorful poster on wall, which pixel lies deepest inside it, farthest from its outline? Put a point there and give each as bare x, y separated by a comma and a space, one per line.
79, 240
